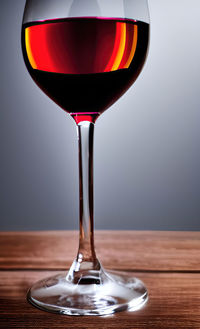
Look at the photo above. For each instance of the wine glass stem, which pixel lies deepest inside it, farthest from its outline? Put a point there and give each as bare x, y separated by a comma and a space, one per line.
86, 252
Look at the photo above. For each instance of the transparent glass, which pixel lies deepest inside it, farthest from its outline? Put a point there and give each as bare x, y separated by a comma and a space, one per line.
56, 35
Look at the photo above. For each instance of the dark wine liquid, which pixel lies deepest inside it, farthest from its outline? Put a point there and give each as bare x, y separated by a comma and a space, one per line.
85, 64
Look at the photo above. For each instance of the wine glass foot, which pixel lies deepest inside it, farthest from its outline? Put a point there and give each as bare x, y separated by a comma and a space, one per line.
115, 291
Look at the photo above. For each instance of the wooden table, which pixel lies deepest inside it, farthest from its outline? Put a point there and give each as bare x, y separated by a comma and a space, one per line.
168, 262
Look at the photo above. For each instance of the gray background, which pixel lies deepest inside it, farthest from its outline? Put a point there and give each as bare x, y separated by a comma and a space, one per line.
147, 155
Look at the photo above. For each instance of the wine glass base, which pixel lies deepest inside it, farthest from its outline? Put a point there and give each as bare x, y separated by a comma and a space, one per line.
115, 291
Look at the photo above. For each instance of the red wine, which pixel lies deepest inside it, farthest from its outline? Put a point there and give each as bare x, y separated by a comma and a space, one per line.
85, 64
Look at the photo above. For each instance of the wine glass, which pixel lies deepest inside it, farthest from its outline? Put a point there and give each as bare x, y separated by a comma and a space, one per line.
84, 54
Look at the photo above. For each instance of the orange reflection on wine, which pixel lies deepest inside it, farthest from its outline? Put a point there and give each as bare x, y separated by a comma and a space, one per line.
119, 46
28, 48
124, 47
37, 49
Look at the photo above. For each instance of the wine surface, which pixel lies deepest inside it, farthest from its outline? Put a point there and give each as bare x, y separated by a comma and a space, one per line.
85, 64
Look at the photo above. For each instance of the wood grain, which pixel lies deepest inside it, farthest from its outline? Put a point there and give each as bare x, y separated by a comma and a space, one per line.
168, 263
126, 250
174, 303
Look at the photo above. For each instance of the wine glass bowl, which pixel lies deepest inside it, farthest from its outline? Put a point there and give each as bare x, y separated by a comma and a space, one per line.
85, 54
84, 61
